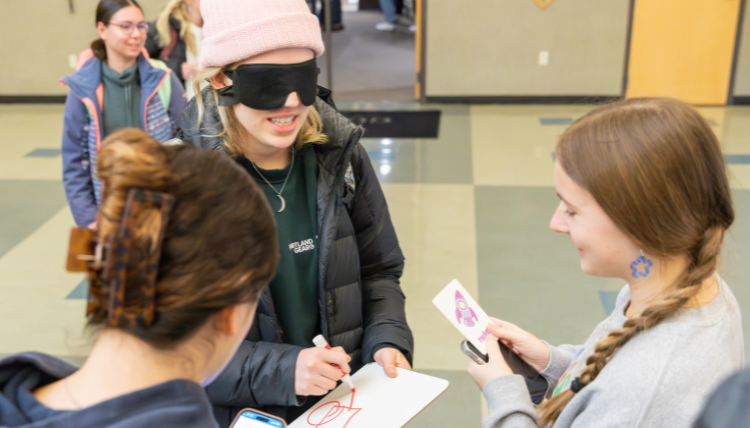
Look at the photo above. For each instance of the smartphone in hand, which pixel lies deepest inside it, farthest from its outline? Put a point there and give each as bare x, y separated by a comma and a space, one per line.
250, 418
535, 382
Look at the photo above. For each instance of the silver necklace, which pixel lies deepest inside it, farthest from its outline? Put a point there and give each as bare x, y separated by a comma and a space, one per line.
278, 192
70, 394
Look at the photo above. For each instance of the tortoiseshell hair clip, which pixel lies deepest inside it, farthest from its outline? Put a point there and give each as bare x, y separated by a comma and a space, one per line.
107, 261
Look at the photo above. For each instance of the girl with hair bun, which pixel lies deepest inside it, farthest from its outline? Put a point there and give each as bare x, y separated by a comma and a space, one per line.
176, 268
115, 86
341, 263
644, 197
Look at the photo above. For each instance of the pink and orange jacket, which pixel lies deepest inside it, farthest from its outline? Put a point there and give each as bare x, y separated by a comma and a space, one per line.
162, 100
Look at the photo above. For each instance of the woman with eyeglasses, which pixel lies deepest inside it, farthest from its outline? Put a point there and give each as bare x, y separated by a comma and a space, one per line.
115, 86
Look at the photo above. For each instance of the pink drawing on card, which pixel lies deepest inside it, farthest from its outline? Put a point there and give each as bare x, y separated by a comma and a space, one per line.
464, 313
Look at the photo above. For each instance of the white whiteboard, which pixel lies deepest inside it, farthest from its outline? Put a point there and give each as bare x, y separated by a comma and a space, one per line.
379, 401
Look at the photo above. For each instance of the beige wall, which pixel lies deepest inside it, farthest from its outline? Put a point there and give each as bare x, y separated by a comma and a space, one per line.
491, 47
742, 76
37, 36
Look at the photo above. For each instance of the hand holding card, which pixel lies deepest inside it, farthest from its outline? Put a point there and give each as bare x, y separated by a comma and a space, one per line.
465, 313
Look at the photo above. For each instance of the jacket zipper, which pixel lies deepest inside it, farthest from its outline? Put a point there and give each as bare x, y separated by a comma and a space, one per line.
148, 99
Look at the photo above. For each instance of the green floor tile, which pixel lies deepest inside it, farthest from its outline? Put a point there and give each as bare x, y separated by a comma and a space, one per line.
81, 291
734, 267
443, 160
24, 206
44, 153
459, 406
609, 300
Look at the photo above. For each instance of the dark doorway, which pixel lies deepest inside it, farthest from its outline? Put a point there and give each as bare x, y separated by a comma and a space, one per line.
369, 64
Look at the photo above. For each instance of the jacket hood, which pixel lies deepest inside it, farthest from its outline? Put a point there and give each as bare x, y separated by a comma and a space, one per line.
177, 403
342, 134
85, 81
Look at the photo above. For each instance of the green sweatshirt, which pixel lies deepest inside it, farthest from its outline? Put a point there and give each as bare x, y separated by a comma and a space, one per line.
122, 99
295, 287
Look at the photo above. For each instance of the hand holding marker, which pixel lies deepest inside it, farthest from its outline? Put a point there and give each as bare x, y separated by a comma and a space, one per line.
321, 342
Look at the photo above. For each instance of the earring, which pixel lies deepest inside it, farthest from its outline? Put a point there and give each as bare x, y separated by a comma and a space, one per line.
646, 264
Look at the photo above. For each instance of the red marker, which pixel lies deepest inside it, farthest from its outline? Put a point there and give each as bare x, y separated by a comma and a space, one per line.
321, 342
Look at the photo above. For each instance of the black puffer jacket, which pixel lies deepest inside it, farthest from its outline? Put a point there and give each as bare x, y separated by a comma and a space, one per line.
360, 263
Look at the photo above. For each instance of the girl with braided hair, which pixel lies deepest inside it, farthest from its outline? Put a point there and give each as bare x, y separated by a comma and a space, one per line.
645, 198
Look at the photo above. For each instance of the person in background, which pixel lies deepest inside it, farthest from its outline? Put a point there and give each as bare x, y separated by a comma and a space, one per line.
336, 15
175, 37
341, 261
644, 197
190, 246
115, 86
390, 10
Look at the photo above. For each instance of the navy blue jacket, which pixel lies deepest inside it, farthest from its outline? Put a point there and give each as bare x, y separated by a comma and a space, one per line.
729, 405
173, 404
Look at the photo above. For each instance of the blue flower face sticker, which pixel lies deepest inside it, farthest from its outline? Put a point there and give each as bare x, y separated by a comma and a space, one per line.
646, 264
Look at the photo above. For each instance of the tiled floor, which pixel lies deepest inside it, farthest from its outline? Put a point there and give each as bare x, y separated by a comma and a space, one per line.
473, 204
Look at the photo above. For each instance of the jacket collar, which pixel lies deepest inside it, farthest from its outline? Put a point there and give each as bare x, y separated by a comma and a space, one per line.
150, 75
163, 402
333, 156
87, 79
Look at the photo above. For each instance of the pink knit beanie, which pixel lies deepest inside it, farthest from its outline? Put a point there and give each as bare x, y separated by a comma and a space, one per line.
234, 30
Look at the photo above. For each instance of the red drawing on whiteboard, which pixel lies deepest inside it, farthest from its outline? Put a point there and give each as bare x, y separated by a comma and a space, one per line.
335, 412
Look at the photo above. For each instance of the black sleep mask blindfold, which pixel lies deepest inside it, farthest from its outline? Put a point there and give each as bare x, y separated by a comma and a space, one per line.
267, 86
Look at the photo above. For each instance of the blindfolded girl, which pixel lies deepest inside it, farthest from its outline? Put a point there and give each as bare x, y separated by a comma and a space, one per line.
340, 258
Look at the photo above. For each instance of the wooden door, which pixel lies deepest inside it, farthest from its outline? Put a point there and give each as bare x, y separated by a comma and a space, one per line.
683, 49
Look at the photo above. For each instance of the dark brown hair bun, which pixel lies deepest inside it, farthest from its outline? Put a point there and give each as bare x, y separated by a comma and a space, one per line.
219, 247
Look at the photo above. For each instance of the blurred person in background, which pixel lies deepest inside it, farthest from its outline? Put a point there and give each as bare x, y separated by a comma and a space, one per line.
319, 8
175, 38
391, 10
115, 86
190, 246
389, 13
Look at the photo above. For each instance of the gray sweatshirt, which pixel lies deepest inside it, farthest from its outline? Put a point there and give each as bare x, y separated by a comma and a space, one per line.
660, 378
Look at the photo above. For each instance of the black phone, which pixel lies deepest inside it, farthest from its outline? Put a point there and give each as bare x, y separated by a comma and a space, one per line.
535, 382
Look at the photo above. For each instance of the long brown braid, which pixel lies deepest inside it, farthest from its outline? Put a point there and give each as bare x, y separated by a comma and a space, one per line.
656, 168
